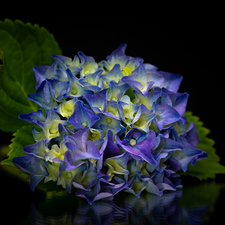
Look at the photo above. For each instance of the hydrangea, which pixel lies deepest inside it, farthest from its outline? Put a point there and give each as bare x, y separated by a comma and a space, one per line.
117, 125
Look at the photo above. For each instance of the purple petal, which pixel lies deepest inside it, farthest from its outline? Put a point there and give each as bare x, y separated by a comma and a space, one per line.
114, 74
31, 164
177, 100
171, 145
171, 81
32, 117
70, 161
191, 135
34, 180
38, 149
45, 72
188, 154
82, 117
111, 148
91, 153
59, 89
97, 101
89, 196
152, 188
120, 51
142, 148
165, 115
43, 97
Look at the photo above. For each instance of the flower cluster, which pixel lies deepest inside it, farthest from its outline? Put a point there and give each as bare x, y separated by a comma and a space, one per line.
117, 125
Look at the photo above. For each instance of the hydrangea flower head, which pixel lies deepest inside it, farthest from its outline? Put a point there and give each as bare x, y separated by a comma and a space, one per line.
117, 125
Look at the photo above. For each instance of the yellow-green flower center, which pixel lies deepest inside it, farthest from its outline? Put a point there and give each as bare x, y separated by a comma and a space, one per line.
53, 130
84, 124
132, 142
137, 123
108, 120
69, 175
74, 91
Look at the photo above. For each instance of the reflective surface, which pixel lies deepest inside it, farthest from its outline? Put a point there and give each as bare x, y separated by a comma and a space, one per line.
194, 204
147, 210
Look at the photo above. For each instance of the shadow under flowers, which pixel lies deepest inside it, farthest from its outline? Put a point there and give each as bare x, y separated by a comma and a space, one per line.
190, 205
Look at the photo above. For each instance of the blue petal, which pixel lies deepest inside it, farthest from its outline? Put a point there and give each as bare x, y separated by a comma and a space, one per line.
141, 81
94, 194
38, 149
191, 135
143, 118
111, 148
177, 100
171, 81
165, 114
34, 180
143, 145
97, 101
120, 51
151, 97
93, 82
82, 117
59, 89
45, 72
188, 154
171, 145
114, 74
70, 160
67, 63
33, 117
43, 97
80, 138
152, 188
112, 110
91, 152
31, 164
76, 90
115, 89
107, 122
88, 64
149, 67
66, 176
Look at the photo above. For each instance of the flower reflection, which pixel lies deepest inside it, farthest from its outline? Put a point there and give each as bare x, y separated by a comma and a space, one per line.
124, 209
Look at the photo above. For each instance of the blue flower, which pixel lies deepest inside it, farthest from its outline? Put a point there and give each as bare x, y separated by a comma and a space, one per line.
82, 116
141, 80
117, 125
32, 165
139, 144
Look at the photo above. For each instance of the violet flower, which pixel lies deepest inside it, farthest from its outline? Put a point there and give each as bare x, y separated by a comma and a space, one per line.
113, 126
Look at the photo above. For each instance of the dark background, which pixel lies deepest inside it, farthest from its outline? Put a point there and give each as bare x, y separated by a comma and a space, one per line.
183, 39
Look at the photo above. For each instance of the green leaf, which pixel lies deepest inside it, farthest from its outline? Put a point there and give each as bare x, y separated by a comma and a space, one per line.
22, 47
209, 167
23, 137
